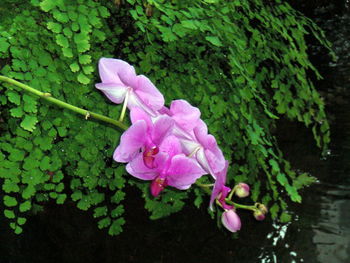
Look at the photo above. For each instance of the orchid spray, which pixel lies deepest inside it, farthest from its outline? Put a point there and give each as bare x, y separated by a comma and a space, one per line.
170, 147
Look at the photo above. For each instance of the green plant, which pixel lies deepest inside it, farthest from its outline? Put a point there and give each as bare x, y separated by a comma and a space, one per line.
243, 63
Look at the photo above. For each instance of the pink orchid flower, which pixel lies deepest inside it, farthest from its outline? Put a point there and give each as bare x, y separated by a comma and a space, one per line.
220, 190
120, 83
172, 168
143, 136
194, 137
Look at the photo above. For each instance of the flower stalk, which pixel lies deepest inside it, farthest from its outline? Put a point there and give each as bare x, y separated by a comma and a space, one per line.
62, 104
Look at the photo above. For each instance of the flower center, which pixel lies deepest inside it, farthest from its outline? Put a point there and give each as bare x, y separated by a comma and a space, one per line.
148, 156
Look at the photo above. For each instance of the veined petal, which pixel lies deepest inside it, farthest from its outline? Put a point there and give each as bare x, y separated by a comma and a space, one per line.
216, 161
137, 114
201, 133
183, 172
189, 147
131, 141
111, 69
135, 102
114, 92
184, 114
203, 161
138, 169
162, 127
171, 145
148, 93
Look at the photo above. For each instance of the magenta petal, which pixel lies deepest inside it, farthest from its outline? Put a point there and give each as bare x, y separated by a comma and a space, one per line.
184, 114
114, 92
162, 127
171, 145
231, 220
219, 185
183, 172
137, 114
111, 69
131, 141
148, 93
216, 161
138, 169
201, 133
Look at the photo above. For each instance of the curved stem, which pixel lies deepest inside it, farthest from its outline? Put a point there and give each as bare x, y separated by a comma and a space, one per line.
240, 206
62, 104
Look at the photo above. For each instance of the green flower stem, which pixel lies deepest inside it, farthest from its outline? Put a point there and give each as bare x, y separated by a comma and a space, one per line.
231, 193
240, 206
205, 188
48, 97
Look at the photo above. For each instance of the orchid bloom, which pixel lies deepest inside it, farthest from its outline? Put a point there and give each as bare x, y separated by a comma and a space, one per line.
220, 190
143, 135
194, 137
120, 83
172, 168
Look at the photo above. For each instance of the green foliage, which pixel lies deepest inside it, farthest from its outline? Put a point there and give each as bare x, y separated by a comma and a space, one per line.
243, 63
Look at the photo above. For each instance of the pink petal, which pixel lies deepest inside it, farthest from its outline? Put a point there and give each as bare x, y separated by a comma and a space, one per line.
171, 145
201, 132
203, 161
184, 114
231, 220
135, 102
162, 127
216, 160
148, 93
219, 185
114, 92
111, 70
138, 169
137, 114
183, 172
131, 141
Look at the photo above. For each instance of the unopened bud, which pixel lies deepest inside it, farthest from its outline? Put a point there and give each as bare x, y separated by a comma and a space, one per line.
262, 208
260, 216
242, 190
231, 220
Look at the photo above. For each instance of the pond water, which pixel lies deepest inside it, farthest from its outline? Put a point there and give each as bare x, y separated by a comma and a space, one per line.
319, 232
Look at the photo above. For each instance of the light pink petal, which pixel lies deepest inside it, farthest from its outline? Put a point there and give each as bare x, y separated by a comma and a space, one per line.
162, 127
189, 147
171, 145
184, 114
216, 160
114, 92
111, 70
183, 172
164, 111
203, 161
137, 114
138, 169
135, 102
231, 220
148, 93
219, 185
131, 141
201, 133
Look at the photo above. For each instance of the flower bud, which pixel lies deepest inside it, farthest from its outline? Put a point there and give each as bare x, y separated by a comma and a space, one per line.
242, 190
262, 208
157, 186
259, 215
231, 220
